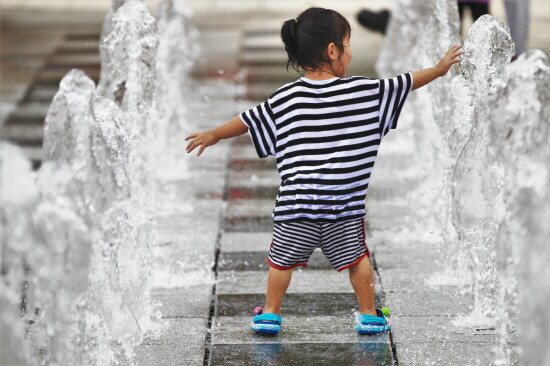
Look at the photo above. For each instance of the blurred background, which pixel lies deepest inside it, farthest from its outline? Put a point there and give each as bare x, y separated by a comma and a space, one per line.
207, 258
42, 39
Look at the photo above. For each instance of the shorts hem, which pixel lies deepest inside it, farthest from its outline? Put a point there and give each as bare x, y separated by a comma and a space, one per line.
271, 264
366, 254
277, 220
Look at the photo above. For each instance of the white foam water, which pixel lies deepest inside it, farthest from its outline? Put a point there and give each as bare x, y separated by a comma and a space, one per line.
77, 236
494, 174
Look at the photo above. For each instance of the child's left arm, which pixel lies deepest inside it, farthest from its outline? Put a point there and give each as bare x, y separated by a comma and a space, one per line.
234, 127
426, 76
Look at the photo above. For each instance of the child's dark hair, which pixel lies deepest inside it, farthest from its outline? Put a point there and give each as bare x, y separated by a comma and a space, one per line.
307, 37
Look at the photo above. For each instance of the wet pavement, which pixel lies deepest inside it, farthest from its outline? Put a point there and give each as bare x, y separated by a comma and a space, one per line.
211, 268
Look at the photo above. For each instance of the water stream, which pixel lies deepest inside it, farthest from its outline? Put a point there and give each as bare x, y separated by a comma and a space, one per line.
77, 235
481, 141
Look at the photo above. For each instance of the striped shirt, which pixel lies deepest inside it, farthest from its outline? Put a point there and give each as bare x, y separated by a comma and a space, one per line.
325, 135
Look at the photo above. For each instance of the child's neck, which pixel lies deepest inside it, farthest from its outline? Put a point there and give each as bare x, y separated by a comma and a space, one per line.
319, 74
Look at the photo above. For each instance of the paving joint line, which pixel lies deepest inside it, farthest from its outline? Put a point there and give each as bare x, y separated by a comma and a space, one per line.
217, 252
382, 294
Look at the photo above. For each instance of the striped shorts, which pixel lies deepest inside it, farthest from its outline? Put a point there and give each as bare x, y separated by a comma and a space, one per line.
342, 243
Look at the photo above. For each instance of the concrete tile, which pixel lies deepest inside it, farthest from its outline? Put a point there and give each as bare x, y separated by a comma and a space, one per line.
184, 302
443, 353
243, 241
383, 217
305, 304
189, 352
187, 232
174, 331
263, 40
248, 224
250, 208
296, 329
42, 92
23, 134
54, 76
264, 178
303, 281
422, 303
78, 46
273, 56
406, 280
302, 354
245, 152
238, 165
409, 258
30, 41
256, 261
430, 328
75, 60
30, 112
256, 192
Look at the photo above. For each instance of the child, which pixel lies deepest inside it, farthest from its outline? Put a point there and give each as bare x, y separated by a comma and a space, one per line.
325, 130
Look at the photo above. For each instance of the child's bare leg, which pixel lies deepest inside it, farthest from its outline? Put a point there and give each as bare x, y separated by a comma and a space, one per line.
277, 283
362, 280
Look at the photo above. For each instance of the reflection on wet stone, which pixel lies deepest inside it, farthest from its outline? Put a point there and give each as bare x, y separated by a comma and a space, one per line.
330, 354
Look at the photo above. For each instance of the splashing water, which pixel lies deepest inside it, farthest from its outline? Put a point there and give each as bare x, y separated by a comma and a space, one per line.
495, 169
476, 185
77, 235
520, 129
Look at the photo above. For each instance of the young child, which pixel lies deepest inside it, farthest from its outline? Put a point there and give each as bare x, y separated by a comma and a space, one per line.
324, 130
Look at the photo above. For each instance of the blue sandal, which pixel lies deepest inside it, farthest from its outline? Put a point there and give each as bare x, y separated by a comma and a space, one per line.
370, 324
266, 323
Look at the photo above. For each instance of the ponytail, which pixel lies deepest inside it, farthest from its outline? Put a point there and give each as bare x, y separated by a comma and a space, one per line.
288, 35
307, 37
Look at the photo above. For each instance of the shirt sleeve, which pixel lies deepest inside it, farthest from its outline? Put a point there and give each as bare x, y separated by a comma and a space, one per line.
261, 128
393, 93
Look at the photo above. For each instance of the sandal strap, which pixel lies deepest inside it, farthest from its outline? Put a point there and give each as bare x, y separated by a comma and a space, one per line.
371, 319
269, 317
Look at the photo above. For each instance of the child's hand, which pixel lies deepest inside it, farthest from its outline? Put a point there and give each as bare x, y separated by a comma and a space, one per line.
449, 59
202, 139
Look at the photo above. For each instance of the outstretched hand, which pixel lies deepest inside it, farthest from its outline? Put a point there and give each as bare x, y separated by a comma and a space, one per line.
202, 140
449, 59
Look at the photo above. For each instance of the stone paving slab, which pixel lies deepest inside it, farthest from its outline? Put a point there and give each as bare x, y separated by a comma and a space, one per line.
188, 353
250, 207
34, 111
248, 224
178, 342
253, 192
25, 134
251, 242
183, 302
246, 151
443, 353
423, 330
256, 164
402, 256
42, 92
174, 331
256, 261
261, 178
303, 354
427, 304
296, 329
192, 238
76, 60
304, 304
303, 281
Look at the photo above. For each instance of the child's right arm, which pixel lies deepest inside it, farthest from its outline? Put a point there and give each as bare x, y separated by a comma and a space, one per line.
426, 76
234, 127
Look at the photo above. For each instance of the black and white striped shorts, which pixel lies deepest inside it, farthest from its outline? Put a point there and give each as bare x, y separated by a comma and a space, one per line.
343, 243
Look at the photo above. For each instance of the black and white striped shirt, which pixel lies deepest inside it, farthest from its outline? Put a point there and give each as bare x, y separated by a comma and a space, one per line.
325, 135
